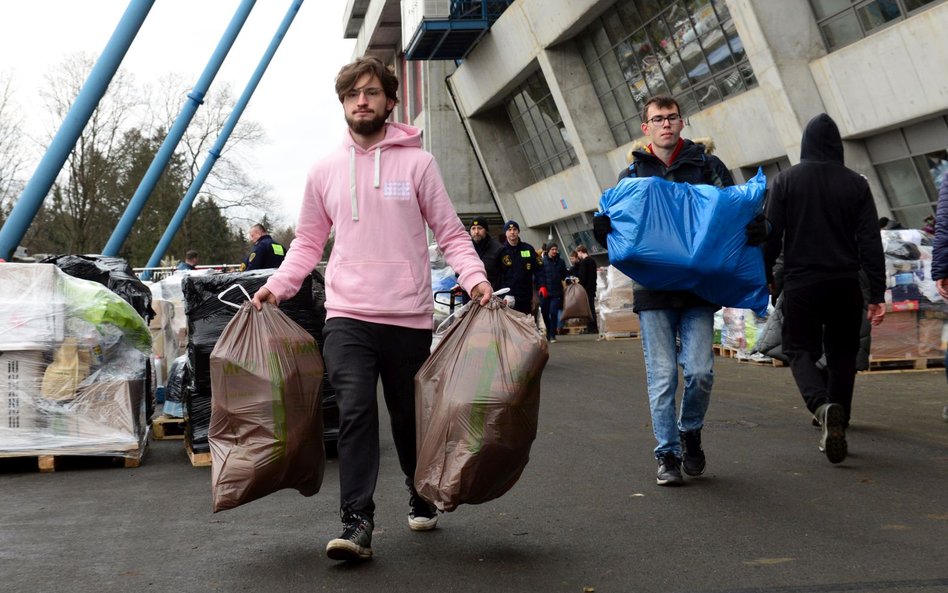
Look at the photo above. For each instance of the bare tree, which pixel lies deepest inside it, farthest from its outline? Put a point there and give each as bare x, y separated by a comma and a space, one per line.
85, 204
12, 157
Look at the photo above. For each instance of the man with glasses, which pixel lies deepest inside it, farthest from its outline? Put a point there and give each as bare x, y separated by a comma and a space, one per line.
669, 318
379, 192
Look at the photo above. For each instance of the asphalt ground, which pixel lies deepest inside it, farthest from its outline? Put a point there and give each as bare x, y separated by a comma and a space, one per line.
771, 515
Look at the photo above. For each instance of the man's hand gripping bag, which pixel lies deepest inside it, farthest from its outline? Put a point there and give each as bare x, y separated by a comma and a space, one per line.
477, 404
266, 430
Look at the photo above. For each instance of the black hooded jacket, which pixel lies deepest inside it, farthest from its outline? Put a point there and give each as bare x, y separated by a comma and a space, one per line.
823, 217
692, 165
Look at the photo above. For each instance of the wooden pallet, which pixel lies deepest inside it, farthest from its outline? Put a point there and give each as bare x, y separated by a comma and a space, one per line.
198, 459
167, 428
770, 362
572, 331
72, 459
620, 336
724, 351
904, 365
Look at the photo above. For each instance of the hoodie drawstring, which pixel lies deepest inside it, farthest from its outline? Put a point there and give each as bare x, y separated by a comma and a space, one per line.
378, 161
353, 203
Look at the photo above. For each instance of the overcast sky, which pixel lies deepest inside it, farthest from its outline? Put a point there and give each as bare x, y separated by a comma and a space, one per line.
294, 101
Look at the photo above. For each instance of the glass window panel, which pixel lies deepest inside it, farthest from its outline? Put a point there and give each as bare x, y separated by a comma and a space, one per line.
750, 80
688, 104
734, 40
911, 5
826, 8
621, 134
913, 217
649, 9
731, 83
841, 30
678, 24
708, 94
662, 43
614, 30
695, 66
934, 170
628, 15
901, 183
720, 7
878, 13
702, 14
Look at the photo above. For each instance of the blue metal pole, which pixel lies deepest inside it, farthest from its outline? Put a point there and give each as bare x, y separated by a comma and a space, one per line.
165, 152
33, 195
215, 151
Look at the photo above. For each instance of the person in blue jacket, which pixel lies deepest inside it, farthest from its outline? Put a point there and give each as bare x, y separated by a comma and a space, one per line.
551, 290
266, 252
940, 255
677, 327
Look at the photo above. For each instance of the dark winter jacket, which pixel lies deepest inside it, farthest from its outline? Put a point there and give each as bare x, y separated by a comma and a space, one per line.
940, 249
585, 270
266, 254
521, 270
824, 216
488, 249
554, 273
692, 165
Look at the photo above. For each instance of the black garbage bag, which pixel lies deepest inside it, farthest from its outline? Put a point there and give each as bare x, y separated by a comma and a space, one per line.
112, 272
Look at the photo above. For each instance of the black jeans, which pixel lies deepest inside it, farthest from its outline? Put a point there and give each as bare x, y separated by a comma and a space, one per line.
357, 353
823, 317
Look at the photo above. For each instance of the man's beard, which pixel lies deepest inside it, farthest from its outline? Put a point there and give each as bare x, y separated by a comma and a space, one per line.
367, 127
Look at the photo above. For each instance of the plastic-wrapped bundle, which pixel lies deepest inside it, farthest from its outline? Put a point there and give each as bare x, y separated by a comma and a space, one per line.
266, 429
111, 272
178, 380
614, 302
678, 236
477, 404
73, 366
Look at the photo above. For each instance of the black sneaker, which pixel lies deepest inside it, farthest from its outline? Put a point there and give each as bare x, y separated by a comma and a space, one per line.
669, 471
422, 516
692, 455
355, 543
832, 419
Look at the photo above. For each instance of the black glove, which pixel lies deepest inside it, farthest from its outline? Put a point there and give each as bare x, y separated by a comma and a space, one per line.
602, 226
757, 230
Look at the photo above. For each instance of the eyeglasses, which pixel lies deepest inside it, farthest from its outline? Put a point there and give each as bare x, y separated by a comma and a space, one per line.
370, 93
658, 120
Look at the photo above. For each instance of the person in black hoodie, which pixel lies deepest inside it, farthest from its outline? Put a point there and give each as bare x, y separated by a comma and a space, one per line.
824, 219
551, 290
669, 318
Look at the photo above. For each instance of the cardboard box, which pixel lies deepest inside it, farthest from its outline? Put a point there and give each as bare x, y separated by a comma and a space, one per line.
896, 337
32, 307
21, 377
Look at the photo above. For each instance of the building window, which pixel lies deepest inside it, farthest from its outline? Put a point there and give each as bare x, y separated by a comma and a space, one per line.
540, 131
842, 22
688, 49
912, 186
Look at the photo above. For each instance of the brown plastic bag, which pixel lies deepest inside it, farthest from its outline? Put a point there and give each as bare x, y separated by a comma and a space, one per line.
576, 303
266, 430
477, 404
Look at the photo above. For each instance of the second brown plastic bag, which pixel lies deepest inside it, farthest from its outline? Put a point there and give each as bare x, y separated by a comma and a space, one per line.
575, 303
266, 430
477, 404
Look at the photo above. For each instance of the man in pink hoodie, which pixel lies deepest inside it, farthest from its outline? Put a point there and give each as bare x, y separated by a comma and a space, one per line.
378, 192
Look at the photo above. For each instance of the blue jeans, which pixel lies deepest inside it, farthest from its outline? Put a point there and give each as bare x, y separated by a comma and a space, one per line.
551, 315
694, 328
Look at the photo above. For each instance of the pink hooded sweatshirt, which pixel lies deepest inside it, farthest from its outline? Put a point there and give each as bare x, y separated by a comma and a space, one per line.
378, 200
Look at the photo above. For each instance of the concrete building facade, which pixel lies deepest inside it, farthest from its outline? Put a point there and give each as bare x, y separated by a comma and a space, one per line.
550, 97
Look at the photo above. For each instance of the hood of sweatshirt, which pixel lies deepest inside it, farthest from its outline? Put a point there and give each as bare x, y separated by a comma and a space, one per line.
821, 141
396, 134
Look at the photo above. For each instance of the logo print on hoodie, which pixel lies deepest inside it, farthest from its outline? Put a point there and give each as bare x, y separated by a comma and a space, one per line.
396, 190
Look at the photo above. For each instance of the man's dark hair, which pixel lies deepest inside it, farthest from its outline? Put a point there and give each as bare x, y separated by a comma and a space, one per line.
662, 102
191, 254
350, 73
260, 228
582, 249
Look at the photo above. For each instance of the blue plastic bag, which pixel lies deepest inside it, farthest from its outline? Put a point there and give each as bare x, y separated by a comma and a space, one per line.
679, 236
